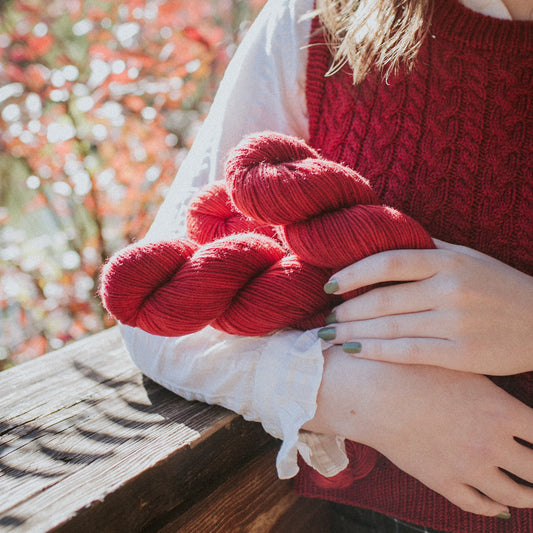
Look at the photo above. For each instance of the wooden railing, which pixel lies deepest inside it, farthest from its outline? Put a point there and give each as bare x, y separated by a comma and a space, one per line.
87, 444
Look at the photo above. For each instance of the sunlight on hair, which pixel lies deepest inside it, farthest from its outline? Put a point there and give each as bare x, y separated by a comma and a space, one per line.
367, 34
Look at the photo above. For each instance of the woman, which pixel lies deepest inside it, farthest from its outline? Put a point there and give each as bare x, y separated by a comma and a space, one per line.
432, 102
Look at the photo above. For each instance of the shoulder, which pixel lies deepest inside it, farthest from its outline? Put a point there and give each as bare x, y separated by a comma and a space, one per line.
286, 18
298, 7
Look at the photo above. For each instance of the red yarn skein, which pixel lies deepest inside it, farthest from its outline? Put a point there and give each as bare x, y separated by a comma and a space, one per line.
244, 284
247, 284
328, 215
131, 279
278, 179
362, 461
212, 215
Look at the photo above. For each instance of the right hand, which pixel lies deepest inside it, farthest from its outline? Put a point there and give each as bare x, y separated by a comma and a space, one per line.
451, 430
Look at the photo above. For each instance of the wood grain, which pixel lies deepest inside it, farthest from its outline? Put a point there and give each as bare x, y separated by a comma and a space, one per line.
88, 444
253, 500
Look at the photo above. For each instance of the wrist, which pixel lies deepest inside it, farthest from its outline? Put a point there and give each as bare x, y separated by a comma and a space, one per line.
344, 396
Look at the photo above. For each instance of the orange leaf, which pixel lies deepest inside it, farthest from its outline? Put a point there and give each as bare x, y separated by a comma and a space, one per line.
135, 103
15, 73
195, 35
40, 45
35, 77
32, 348
101, 51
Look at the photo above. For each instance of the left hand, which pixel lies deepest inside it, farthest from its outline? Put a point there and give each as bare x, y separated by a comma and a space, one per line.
460, 309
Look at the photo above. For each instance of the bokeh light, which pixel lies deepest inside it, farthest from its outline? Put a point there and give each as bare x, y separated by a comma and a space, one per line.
99, 103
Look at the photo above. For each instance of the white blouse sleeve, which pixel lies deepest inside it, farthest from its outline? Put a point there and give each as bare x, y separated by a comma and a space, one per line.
272, 379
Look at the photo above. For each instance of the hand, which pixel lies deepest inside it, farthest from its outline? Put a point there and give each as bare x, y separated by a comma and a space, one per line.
453, 431
460, 309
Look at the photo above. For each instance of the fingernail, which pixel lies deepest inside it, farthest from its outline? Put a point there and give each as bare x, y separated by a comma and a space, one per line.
327, 334
331, 318
505, 516
352, 347
331, 286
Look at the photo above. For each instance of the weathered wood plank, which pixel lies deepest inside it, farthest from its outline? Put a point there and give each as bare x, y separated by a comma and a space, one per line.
253, 500
87, 444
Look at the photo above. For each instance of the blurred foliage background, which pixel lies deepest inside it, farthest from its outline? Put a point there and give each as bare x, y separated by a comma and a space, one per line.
99, 103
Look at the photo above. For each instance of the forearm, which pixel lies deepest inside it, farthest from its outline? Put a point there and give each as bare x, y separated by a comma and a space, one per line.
341, 396
403, 411
272, 379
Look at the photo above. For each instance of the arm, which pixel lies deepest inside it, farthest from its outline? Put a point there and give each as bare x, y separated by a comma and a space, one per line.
263, 88
453, 431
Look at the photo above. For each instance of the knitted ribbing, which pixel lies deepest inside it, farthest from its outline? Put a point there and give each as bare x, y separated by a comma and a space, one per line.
451, 145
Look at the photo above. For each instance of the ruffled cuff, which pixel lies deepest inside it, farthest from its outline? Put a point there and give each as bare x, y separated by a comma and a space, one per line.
285, 397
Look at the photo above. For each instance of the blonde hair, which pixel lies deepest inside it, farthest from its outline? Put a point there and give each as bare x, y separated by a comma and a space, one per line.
363, 34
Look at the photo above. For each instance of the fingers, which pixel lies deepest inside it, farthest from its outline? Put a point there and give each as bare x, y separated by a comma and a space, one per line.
492, 495
519, 462
388, 327
401, 351
411, 325
411, 338
503, 489
441, 245
392, 300
393, 265
471, 500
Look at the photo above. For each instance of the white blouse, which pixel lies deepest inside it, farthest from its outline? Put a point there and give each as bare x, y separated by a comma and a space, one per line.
273, 379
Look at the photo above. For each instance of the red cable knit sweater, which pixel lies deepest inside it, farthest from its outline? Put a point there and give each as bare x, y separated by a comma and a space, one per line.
451, 145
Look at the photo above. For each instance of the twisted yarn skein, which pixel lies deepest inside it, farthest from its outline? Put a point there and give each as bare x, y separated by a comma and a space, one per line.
326, 215
211, 215
245, 284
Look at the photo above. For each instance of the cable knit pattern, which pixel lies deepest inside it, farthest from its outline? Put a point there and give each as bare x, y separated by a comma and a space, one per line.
456, 134
450, 144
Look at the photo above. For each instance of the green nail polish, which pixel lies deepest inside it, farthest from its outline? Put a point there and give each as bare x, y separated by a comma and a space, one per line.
327, 334
331, 318
352, 347
331, 286
505, 516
